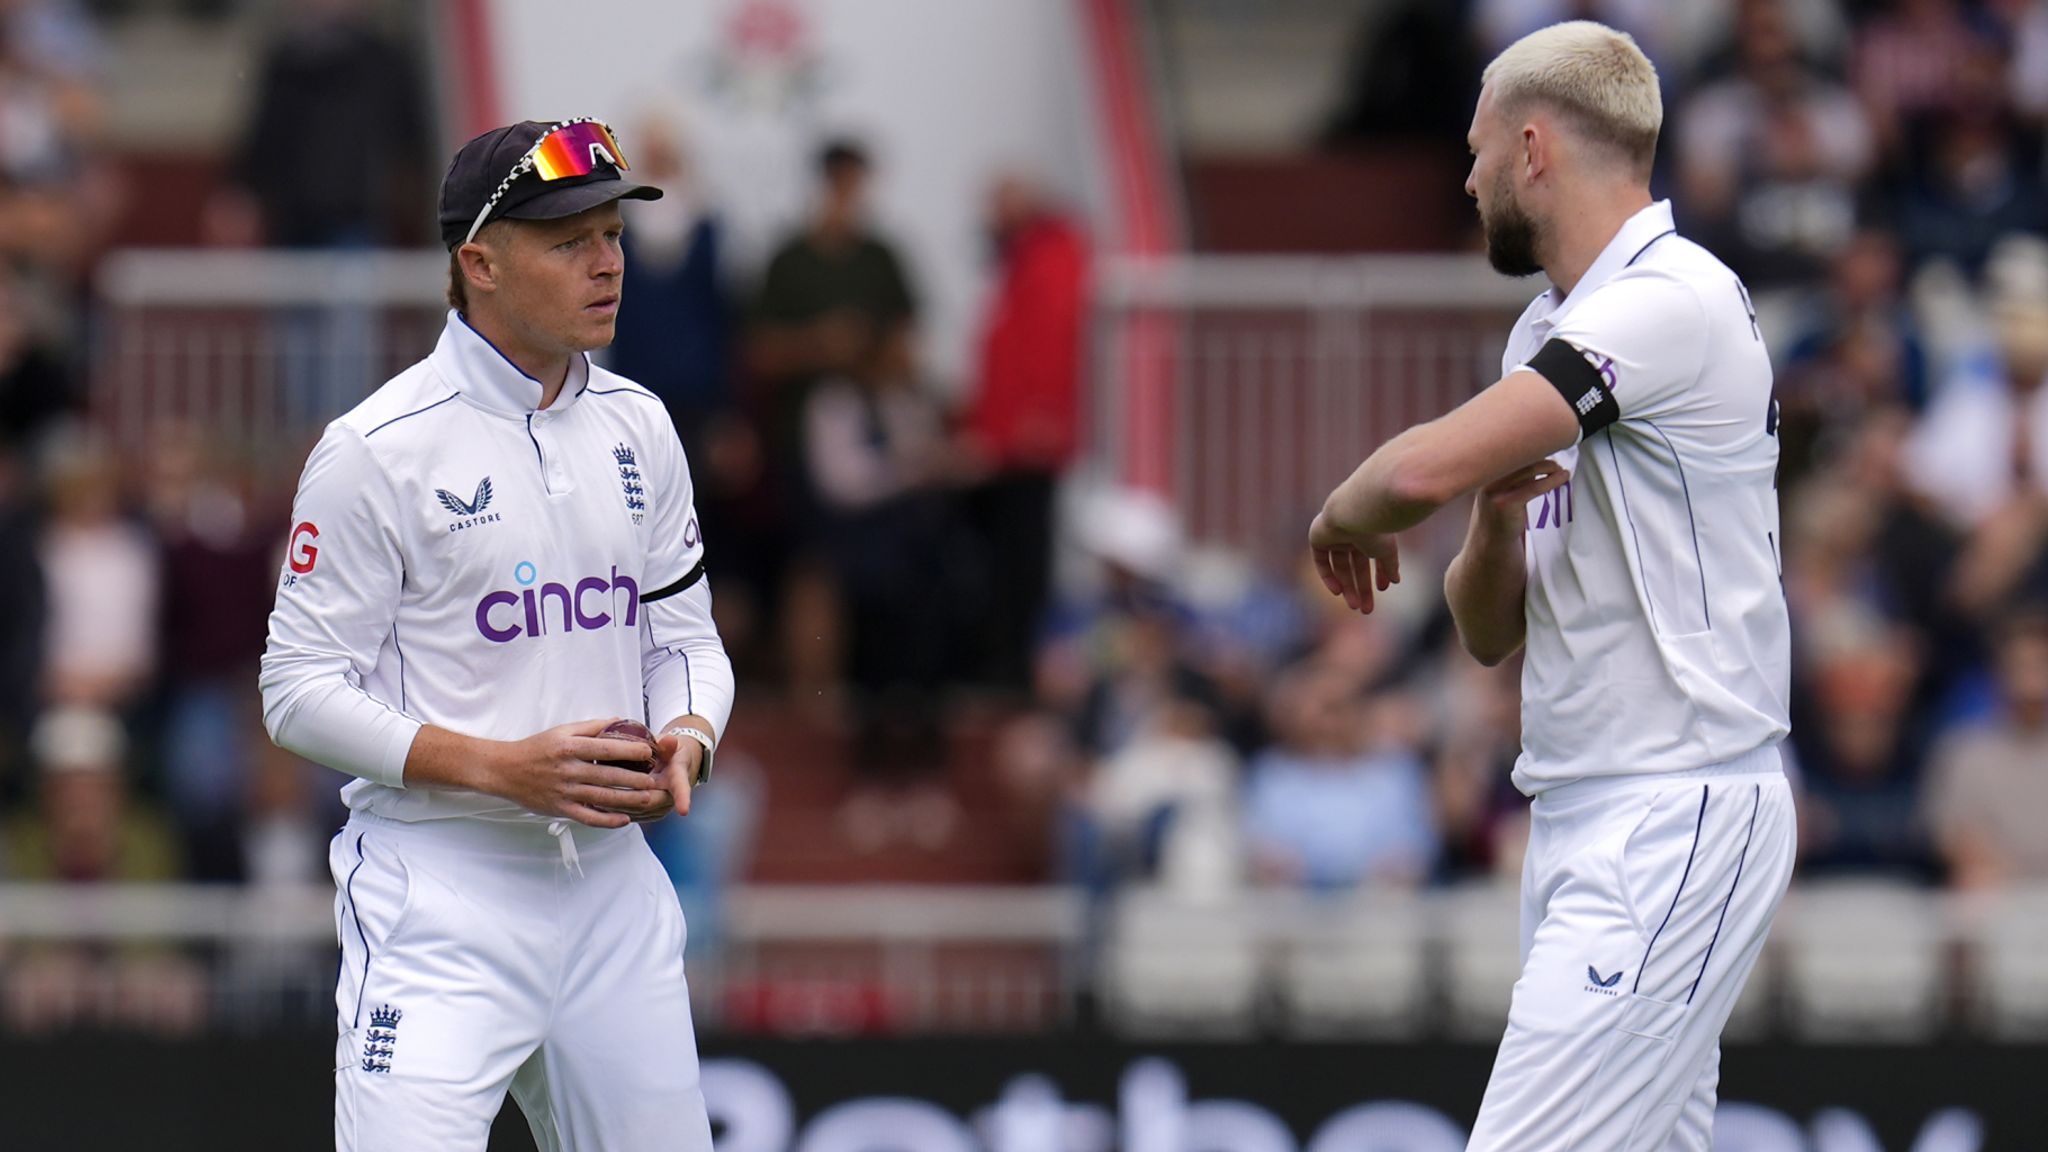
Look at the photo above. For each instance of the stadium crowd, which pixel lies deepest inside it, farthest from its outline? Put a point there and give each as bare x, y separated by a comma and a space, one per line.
884, 545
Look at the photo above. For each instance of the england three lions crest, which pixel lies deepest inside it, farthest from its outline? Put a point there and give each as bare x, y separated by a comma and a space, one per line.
629, 482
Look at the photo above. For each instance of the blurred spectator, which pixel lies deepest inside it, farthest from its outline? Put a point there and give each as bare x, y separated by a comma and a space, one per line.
1485, 820
56, 34
36, 388
1983, 442
1410, 76
1860, 760
1252, 615
1769, 159
1705, 41
1976, 187
832, 293
674, 338
1133, 540
1164, 807
56, 197
1023, 420
1910, 66
287, 819
877, 455
1858, 349
1500, 23
22, 624
2025, 24
335, 151
706, 853
1333, 804
1989, 784
1903, 568
214, 566
104, 585
85, 830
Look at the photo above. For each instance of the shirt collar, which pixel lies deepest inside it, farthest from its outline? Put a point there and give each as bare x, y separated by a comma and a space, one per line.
1636, 235
475, 367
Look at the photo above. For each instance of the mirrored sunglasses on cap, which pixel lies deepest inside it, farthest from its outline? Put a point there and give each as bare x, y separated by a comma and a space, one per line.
571, 148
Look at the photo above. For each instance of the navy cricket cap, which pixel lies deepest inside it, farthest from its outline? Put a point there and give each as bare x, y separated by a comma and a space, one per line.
481, 165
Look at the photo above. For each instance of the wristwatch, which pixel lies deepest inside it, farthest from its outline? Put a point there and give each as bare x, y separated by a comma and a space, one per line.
701, 737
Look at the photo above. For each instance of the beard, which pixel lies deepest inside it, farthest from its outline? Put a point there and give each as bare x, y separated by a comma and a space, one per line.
1511, 236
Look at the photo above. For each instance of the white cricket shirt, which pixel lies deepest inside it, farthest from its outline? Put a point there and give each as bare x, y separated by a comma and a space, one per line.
460, 558
1657, 630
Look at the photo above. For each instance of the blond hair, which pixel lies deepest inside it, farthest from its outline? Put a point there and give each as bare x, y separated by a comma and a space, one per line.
1594, 76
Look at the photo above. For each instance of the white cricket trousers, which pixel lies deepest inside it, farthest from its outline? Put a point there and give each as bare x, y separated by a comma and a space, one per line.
481, 957
1645, 903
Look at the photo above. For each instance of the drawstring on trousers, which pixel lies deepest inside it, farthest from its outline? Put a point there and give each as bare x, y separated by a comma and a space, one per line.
559, 829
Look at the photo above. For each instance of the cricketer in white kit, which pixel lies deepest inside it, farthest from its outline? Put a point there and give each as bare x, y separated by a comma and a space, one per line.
491, 557
1625, 536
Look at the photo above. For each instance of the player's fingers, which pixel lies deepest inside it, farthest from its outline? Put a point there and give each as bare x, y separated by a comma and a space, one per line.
591, 748
637, 799
596, 818
1555, 478
1347, 580
1524, 474
638, 804
1538, 483
1326, 569
1393, 563
1358, 581
584, 774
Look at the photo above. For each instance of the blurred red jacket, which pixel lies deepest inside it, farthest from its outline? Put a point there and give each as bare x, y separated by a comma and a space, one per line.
1025, 414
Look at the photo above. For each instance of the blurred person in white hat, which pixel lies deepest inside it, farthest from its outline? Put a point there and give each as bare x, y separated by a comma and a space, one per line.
1980, 453
85, 829
102, 574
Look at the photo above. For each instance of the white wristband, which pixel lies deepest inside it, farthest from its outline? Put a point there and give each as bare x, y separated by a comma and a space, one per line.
701, 737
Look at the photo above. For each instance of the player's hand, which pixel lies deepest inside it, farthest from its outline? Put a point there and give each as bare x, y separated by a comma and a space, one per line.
1354, 565
675, 768
1504, 504
556, 773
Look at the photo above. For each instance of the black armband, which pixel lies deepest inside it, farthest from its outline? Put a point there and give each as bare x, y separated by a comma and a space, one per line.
689, 579
1582, 386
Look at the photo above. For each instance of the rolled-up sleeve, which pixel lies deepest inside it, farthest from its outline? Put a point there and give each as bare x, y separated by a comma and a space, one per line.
338, 594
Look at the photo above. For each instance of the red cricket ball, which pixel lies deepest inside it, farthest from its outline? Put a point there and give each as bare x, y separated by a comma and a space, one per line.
630, 730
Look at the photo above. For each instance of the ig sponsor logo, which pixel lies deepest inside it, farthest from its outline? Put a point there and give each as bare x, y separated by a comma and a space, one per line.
300, 554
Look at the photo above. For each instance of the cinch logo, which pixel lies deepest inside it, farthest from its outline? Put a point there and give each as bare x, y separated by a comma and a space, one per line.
592, 602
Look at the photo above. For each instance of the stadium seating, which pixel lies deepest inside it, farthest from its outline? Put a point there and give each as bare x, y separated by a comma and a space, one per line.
1482, 961
1171, 965
1863, 961
1352, 965
2009, 935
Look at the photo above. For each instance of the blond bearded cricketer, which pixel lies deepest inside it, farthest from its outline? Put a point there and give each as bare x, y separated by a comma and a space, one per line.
1624, 538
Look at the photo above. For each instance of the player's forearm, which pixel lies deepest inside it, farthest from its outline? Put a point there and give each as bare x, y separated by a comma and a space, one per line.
317, 713
443, 759
1484, 586
695, 681
1389, 493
